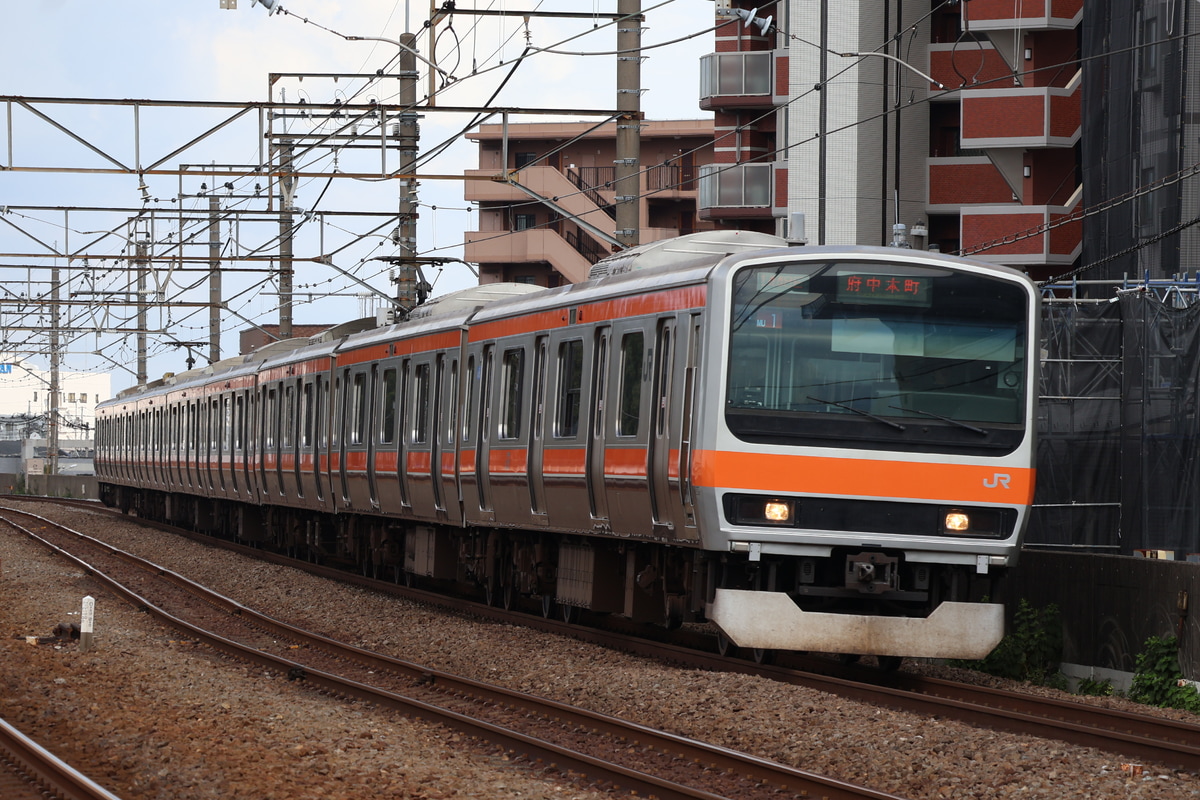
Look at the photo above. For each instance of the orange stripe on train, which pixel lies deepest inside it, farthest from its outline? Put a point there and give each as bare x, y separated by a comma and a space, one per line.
824, 475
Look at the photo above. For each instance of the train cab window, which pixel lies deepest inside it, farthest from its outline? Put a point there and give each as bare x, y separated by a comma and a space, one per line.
419, 432
512, 376
633, 348
568, 392
387, 417
358, 408
878, 353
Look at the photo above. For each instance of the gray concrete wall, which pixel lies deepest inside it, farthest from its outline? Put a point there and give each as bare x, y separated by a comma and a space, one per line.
79, 487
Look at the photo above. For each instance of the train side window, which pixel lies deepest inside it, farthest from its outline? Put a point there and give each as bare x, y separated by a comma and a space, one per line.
419, 431
569, 391
239, 422
306, 401
470, 389
512, 374
358, 408
387, 432
272, 414
289, 413
452, 403
629, 411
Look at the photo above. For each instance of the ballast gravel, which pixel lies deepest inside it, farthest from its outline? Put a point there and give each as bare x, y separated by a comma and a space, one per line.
152, 716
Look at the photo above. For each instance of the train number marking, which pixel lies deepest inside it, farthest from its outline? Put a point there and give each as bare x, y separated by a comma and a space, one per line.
999, 479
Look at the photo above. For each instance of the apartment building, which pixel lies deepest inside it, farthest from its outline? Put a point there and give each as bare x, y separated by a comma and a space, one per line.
546, 200
959, 120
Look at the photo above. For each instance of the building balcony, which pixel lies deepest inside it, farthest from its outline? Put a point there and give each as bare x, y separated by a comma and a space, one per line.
741, 191
968, 64
965, 180
1028, 15
1029, 117
536, 245
1015, 235
746, 79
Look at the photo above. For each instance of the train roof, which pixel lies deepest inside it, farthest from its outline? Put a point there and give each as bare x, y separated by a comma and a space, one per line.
704, 247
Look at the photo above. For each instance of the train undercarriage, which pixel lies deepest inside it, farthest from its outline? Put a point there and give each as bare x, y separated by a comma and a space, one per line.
644, 581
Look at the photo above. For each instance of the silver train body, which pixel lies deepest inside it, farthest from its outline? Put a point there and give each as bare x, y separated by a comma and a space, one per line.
825, 449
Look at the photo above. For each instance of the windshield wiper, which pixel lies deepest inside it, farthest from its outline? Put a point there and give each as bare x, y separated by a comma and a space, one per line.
866, 414
951, 420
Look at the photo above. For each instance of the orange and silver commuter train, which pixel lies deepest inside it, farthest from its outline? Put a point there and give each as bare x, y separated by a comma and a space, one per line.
813, 448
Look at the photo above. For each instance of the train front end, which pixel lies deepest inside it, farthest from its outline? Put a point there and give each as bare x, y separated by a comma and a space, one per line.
865, 455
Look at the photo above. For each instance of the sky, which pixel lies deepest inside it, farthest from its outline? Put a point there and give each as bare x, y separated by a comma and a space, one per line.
208, 52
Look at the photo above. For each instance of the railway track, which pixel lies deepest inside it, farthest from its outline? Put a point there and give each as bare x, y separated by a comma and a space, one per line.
1134, 736
30, 772
607, 750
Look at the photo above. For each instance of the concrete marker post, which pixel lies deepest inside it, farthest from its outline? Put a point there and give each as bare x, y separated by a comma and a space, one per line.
87, 620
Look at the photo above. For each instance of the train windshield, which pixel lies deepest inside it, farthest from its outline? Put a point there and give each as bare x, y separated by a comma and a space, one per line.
877, 354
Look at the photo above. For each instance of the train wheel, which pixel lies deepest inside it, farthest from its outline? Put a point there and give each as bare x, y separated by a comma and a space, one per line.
725, 645
548, 606
569, 614
508, 597
763, 655
890, 663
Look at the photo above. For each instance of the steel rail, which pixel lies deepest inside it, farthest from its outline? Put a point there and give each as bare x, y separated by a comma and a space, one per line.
710, 756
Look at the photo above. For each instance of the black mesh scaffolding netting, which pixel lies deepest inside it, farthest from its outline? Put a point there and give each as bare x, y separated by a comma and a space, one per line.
1119, 437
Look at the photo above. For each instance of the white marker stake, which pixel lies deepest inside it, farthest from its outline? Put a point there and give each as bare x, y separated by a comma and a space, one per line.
87, 619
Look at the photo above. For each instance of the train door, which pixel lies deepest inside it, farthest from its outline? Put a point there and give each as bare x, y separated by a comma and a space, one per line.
662, 441
281, 410
628, 429
320, 435
304, 443
405, 410
371, 439
597, 497
241, 474
537, 419
338, 447
224, 445
387, 460
483, 448
687, 421
435, 438
450, 495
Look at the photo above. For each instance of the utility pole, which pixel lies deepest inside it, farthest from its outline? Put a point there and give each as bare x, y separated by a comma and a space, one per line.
52, 419
407, 135
214, 279
287, 193
629, 124
140, 248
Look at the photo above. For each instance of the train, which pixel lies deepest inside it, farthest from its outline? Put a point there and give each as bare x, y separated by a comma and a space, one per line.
808, 448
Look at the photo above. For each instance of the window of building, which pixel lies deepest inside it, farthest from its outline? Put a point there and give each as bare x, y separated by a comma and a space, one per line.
524, 222
523, 159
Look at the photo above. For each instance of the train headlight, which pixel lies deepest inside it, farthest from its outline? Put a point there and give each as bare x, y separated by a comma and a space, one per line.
986, 522
957, 521
748, 509
777, 511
